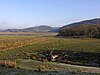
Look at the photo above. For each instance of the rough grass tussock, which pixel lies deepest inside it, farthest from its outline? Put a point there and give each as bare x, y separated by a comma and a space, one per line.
8, 64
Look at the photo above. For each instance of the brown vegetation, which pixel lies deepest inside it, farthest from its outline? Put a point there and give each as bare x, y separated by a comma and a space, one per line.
76, 58
8, 64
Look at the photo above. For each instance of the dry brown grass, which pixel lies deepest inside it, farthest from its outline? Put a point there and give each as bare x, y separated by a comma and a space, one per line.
16, 33
8, 64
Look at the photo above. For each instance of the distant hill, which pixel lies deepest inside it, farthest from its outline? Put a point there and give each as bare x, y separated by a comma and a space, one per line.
87, 28
95, 21
1, 30
38, 29
42, 28
12, 30
55, 29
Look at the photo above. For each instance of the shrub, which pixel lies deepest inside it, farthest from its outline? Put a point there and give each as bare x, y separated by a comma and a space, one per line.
39, 68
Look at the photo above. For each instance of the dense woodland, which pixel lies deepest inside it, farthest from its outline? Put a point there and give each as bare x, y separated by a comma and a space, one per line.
89, 31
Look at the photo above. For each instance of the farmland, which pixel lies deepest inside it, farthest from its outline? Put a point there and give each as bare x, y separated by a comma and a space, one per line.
49, 43
21, 48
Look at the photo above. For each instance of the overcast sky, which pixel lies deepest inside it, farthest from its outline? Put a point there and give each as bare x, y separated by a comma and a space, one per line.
56, 13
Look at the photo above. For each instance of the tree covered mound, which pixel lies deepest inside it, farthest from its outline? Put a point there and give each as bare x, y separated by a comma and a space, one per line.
89, 31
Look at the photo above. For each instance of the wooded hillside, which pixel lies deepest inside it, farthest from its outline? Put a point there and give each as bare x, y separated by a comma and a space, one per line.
91, 31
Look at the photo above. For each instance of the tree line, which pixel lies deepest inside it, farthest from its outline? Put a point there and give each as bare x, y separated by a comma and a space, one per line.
89, 31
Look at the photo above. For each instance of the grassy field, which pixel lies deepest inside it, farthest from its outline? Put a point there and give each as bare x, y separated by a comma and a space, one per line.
29, 67
15, 47
47, 43
27, 33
